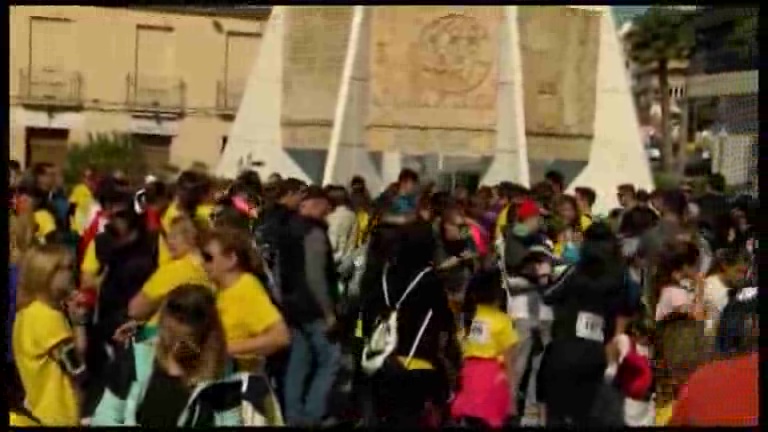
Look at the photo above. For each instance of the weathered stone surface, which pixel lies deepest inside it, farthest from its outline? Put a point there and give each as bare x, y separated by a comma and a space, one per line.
559, 50
315, 44
434, 79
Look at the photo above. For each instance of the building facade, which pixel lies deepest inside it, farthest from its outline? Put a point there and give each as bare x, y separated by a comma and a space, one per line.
170, 77
723, 90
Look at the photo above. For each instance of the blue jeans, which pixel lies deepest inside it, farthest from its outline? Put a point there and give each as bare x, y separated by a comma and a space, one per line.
306, 400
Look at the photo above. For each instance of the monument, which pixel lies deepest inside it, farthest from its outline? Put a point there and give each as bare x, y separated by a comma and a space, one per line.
504, 91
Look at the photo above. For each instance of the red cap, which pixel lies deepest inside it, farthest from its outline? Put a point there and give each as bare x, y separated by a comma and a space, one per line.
527, 209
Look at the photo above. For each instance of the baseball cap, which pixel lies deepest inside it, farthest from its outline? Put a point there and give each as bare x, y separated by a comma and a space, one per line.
528, 209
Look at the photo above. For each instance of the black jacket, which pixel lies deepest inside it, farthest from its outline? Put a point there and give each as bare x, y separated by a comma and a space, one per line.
308, 278
127, 269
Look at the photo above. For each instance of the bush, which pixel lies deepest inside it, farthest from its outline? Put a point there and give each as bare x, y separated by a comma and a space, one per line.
106, 153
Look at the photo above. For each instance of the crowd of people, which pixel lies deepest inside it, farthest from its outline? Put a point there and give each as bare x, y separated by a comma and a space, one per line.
206, 302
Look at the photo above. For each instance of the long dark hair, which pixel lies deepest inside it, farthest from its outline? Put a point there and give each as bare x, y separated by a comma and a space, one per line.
484, 288
205, 356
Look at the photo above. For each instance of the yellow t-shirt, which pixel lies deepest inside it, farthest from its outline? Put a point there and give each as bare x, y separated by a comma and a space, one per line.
45, 222
585, 221
90, 263
664, 414
362, 226
246, 311
50, 394
167, 277
20, 420
491, 335
82, 198
501, 221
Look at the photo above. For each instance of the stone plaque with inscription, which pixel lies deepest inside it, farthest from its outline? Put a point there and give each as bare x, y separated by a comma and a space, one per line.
559, 49
434, 79
315, 46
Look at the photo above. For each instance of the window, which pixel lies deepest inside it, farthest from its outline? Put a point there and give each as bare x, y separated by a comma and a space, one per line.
224, 141
51, 44
241, 52
154, 51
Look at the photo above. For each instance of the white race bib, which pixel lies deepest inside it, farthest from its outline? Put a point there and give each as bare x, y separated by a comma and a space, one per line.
590, 326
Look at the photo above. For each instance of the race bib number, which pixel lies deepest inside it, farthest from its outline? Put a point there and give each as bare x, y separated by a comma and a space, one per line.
590, 326
479, 333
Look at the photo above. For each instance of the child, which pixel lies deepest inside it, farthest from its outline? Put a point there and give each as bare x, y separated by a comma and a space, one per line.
634, 375
488, 344
47, 350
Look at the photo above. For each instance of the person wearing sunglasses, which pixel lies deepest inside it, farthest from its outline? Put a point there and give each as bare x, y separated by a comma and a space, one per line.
253, 326
168, 372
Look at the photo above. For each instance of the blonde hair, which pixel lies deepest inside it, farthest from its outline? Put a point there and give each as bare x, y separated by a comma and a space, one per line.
195, 306
21, 233
36, 271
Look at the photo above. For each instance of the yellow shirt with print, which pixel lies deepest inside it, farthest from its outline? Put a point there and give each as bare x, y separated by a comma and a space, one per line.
45, 223
492, 333
167, 277
50, 394
82, 198
246, 311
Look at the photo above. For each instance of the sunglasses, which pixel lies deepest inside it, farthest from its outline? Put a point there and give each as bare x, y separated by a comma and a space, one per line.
207, 257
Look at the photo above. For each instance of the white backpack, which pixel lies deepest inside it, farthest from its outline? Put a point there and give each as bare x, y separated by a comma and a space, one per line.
383, 341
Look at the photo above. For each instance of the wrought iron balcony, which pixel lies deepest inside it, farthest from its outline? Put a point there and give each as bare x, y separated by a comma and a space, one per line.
155, 93
50, 87
229, 94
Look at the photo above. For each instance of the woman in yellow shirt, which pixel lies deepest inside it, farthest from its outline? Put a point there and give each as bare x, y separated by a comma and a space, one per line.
47, 349
28, 203
488, 345
185, 267
253, 327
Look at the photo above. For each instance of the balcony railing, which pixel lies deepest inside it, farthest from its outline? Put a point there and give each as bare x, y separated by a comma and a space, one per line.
50, 87
155, 93
229, 94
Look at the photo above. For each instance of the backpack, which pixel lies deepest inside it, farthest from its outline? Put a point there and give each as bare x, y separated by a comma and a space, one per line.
383, 341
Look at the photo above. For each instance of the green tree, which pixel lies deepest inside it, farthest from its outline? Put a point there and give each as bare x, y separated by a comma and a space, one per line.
105, 153
659, 36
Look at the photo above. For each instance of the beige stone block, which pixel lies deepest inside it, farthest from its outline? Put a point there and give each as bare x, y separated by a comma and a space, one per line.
434, 78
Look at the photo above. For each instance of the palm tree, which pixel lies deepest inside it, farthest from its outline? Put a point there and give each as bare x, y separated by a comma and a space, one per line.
660, 35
